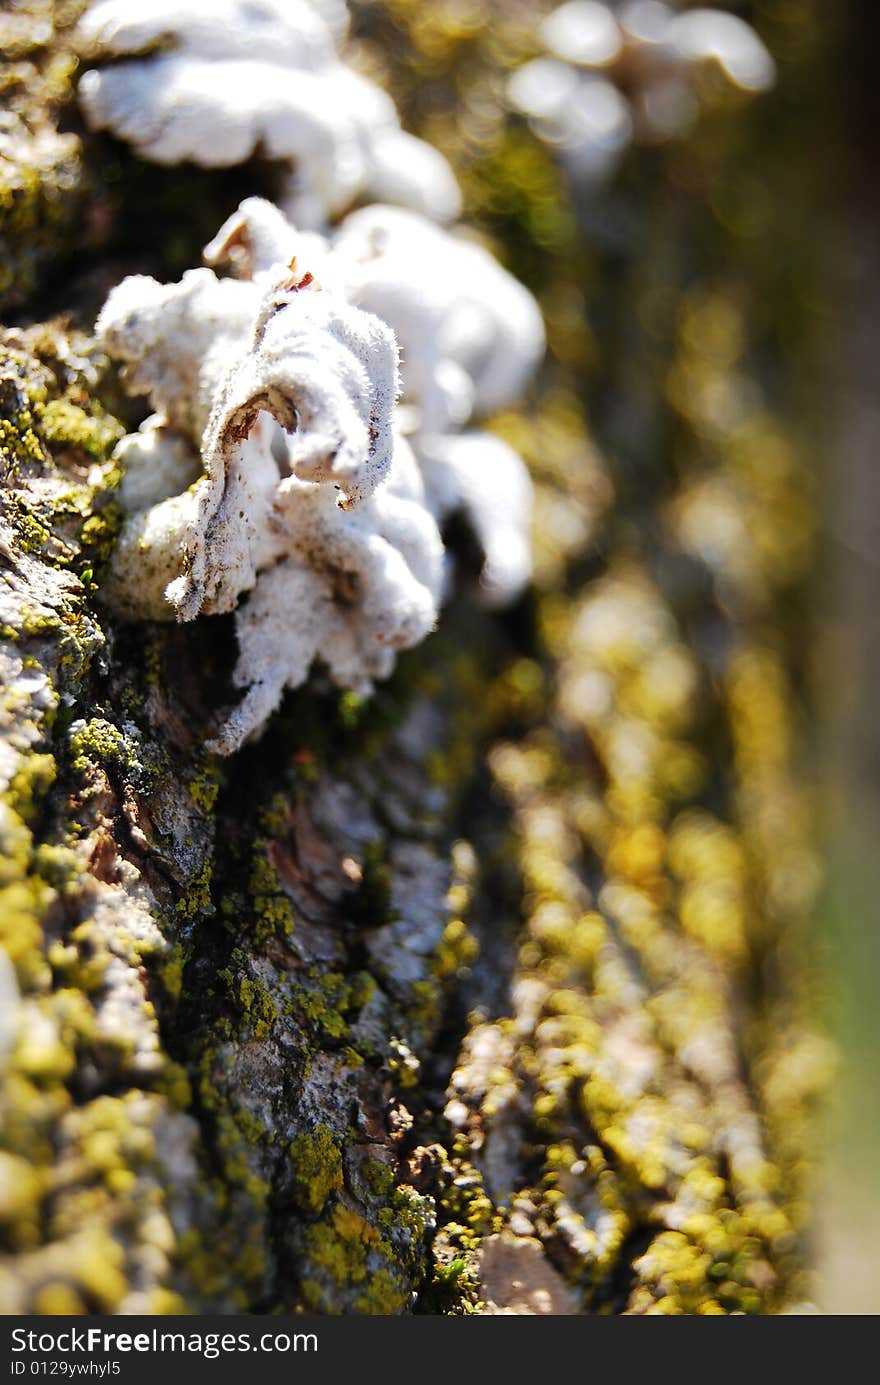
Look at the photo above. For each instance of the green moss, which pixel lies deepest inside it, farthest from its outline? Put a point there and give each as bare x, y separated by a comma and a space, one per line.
317, 1006
90, 1224
408, 1216
272, 910
37, 623
458, 950
379, 1177
33, 533
317, 1166
98, 741
65, 424
362, 986
464, 1204
204, 787
328, 1000
41, 171
274, 816
451, 1287
171, 975
175, 1085
347, 1249
99, 533
22, 910
58, 865
52, 430
20, 447
384, 1295
238, 1246
31, 783
257, 1004
196, 899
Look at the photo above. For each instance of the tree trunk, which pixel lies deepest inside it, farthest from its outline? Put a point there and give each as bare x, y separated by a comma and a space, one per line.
484, 994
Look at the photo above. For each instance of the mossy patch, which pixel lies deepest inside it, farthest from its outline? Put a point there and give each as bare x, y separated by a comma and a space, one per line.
317, 1165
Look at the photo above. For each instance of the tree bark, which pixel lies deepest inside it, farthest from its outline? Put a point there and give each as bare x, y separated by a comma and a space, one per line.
481, 995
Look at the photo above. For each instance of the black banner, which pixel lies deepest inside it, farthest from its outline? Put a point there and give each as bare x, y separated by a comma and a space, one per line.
163, 1350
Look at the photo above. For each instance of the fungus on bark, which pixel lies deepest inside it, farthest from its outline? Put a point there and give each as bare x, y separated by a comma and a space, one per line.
273, 478
285, 393
213, 82
612, 74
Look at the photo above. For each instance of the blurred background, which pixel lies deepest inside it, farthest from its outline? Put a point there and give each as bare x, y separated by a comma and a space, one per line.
846, 661
702, 234
687, 733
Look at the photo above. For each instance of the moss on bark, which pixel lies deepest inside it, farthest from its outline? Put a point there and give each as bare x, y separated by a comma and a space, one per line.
501, 962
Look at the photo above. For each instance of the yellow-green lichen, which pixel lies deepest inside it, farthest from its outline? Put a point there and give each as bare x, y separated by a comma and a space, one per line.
349, 1252
317, 1167
98, 741
65, 424
31, 783
41, 170
205, 786
196, 899
272, 910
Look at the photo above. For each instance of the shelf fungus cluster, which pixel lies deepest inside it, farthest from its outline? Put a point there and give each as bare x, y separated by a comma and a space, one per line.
617, 73
213, 82
471, 337
278, 478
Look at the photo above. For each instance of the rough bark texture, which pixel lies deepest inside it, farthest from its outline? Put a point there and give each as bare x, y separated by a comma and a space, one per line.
487, 992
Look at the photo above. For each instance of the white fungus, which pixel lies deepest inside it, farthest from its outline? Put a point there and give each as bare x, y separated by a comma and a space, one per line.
279, 394
272, 478
214, 82
359, 585
483, 477
584, 32
628, 71
703, 35
470, 334
470, 337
